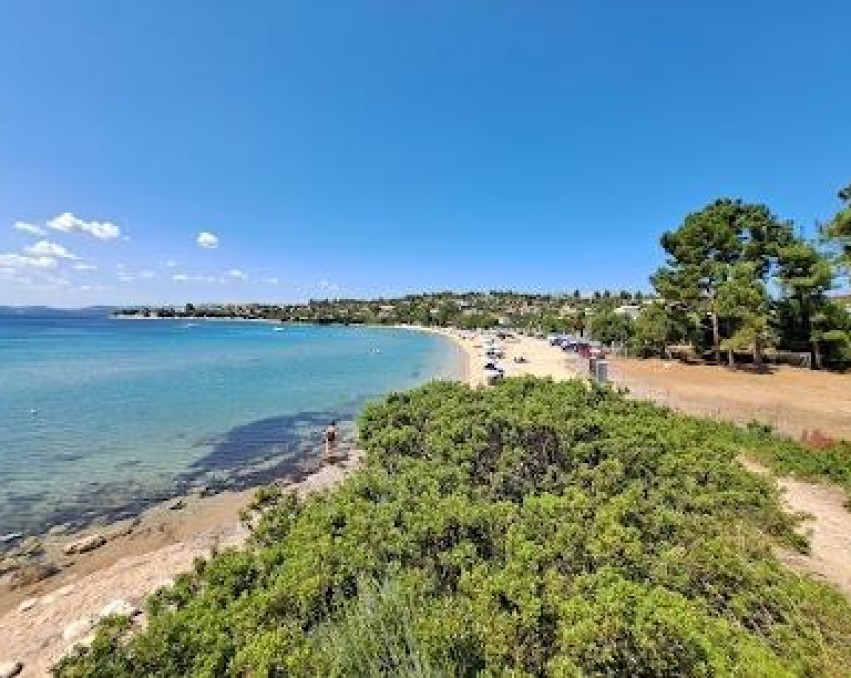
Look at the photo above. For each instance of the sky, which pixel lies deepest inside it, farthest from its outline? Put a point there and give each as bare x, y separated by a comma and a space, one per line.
162, 152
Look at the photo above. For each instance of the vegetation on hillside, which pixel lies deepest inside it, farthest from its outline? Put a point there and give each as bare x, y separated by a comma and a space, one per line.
531, 529
566, 312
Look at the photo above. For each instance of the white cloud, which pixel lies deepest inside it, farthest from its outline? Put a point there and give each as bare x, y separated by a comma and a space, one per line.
207, 240
328, 286
21, 261
148, 275
85, 267
271, 281
68, 223
184, 277
171, 263
126, 277
237, 274
45, 248
28, 228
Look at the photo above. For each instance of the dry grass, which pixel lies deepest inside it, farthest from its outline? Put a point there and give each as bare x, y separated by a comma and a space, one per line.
800, 403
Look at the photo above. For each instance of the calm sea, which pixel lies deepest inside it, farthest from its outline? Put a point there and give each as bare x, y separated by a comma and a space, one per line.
100, 416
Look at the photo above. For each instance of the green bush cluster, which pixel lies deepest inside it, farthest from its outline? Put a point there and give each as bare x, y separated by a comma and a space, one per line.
531, 529
830, 462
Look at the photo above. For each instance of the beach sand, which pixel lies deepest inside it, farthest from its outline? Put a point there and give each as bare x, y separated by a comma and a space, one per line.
541, 359
42, 621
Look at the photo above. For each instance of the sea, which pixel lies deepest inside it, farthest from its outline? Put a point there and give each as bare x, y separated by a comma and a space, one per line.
100, 417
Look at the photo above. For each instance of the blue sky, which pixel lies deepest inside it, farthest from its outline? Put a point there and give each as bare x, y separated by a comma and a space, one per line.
365, 148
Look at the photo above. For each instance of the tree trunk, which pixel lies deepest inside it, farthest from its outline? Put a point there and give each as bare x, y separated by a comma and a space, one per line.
815, 350
716, 338
731, 358
816, 354
758, 362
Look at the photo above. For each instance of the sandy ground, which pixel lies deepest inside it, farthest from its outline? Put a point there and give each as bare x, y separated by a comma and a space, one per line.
827, 524
40, 626
794, 401
540, 359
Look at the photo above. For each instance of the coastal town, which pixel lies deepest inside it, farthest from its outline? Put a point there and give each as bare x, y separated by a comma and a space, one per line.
470, 310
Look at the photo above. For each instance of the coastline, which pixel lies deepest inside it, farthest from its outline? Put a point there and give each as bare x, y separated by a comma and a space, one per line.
467, 350
139, 555
523, 355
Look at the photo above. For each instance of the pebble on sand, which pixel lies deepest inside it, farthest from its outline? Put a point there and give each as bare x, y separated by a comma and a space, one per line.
30, 574
10, 669
85, 544
77, 629
27, 604
119, 607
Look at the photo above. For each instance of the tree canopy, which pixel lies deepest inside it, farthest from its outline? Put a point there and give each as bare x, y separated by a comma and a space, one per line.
743, 279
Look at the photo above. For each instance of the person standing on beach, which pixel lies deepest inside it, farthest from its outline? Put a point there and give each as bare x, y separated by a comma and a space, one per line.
331, 435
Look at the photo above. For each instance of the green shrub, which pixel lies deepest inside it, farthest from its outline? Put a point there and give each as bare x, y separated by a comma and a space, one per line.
531, 529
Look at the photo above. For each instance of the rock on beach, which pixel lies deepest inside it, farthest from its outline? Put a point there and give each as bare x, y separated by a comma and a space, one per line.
119, 607
27, 604
77, 629
10, 669
85, 544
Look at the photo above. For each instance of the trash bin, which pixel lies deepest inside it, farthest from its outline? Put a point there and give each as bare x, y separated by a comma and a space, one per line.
602, 371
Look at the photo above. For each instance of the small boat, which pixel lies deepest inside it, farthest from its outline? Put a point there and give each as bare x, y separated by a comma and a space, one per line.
279, 329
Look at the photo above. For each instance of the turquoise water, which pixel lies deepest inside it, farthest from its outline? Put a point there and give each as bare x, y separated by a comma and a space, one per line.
100, 416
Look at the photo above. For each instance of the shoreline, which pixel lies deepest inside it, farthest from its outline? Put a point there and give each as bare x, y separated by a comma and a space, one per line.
136, 556
467, 351
184, 484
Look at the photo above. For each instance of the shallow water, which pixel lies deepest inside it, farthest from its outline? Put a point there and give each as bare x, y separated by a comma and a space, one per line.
100, 416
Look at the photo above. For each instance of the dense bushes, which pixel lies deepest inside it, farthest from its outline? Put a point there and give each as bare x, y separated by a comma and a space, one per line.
532, 529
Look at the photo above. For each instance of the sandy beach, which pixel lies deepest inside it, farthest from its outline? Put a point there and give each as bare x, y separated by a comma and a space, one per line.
538, 357
41, 620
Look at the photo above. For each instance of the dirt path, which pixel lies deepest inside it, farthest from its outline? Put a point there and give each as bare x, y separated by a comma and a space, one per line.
829, 528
